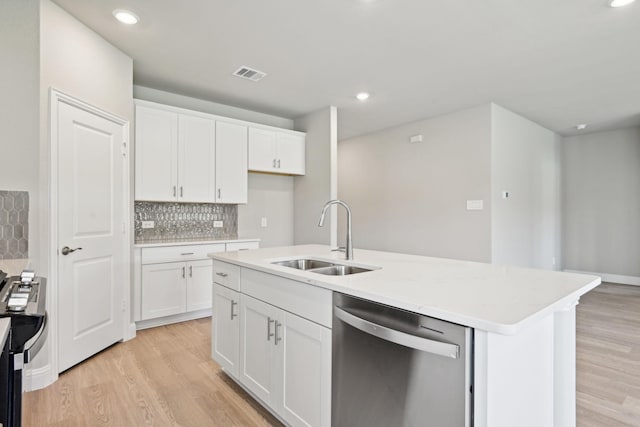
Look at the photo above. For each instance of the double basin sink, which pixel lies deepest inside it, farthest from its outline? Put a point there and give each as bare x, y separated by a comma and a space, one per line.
322, 267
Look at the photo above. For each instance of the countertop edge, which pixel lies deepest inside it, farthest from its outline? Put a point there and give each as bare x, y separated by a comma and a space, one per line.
562, 304
191, 242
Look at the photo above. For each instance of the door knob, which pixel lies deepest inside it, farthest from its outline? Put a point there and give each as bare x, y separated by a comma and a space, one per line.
67, 250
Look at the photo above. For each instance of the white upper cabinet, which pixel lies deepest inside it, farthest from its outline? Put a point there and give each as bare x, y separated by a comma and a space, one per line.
291, 153
196, 159
156, 164
231, 163
276, 151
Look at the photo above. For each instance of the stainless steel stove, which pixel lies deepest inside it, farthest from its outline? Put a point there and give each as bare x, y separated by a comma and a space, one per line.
23, 299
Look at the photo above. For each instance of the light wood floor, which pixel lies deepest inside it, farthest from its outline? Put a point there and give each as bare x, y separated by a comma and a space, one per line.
165, 376
608, 353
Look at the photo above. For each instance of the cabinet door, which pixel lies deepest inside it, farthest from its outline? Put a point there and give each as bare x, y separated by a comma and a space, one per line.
262, 150
156, 163
196, 167
231, 163
257, 349
225, 342
291, 153
163, 289
305, 372
199, 281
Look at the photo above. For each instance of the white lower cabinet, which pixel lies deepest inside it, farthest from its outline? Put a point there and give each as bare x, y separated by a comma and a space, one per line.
225, 343
283, 359
163, 289
175, 287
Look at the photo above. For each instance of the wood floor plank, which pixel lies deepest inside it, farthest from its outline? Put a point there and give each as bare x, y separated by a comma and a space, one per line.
165, 376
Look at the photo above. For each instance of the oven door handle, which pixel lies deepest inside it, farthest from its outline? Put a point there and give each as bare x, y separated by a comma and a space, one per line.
37, 341
398, 337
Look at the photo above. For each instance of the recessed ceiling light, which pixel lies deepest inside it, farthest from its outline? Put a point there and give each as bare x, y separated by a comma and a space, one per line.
362, 96
581, 126
126, 16
620, 3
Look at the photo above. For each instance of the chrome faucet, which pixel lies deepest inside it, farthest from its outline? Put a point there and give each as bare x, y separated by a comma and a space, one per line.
349, 249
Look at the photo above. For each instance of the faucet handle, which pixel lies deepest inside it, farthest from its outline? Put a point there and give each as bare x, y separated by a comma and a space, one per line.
339, 249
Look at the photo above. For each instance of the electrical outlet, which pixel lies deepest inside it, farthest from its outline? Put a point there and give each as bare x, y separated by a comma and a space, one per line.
148, 224
218, 224
263, 222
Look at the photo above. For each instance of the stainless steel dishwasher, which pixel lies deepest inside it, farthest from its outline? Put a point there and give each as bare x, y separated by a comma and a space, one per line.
395, 368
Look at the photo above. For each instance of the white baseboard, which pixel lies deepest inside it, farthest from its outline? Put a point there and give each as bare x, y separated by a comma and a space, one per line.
183, 317
611, 278
35, 379
131, 332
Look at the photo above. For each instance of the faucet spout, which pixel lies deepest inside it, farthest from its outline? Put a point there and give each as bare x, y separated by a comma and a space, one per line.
349, 248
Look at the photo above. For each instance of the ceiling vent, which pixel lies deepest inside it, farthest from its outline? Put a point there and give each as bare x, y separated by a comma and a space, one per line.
249, 74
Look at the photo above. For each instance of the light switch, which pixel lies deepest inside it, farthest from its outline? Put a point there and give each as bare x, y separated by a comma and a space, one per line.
475, 205
263, 222
148, 224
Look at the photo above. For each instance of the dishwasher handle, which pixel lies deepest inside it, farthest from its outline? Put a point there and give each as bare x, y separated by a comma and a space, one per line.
398, 337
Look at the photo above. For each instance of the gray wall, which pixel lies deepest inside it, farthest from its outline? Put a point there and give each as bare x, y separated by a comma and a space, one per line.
525, 162
411, 197
270, 196
601, 188
19, 74
319, 184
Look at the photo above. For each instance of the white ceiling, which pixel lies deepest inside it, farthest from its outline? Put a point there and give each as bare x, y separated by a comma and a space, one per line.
557, 62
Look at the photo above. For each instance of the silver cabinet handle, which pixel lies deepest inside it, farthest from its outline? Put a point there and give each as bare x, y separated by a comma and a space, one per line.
181, 191
278, 163
401, 338
233, 304
183, 272
221, 274
67, 250
174, 191
219, 193
186, 253
277, 338
191, 271
274, 163
269, 333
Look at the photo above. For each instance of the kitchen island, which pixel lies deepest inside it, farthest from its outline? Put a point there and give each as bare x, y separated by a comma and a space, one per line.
523, 319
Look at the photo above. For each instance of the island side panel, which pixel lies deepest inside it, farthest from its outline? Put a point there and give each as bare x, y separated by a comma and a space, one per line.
565, 366
514, 377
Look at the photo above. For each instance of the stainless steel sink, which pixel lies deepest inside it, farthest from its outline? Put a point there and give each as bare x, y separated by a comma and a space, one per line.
340, 270
304, 264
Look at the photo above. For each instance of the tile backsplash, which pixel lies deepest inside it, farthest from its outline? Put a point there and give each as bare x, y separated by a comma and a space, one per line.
184, 221
14, 224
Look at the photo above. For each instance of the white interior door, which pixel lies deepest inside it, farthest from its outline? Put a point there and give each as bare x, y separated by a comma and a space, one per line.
91, 220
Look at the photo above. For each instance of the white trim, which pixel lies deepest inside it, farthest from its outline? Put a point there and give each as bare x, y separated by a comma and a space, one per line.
55, 98
37, 378
180, 110
131, 332
612, 278
176, 318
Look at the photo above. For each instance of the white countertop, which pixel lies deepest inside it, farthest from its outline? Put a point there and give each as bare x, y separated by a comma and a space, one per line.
13, 267
484, 296
180, 242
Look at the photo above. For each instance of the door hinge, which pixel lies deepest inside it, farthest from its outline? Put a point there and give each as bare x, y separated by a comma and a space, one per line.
124, 149
124, 306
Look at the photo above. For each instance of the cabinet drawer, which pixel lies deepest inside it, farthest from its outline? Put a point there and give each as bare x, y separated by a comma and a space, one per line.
242, 246
179, 253
306, 301
226, 274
